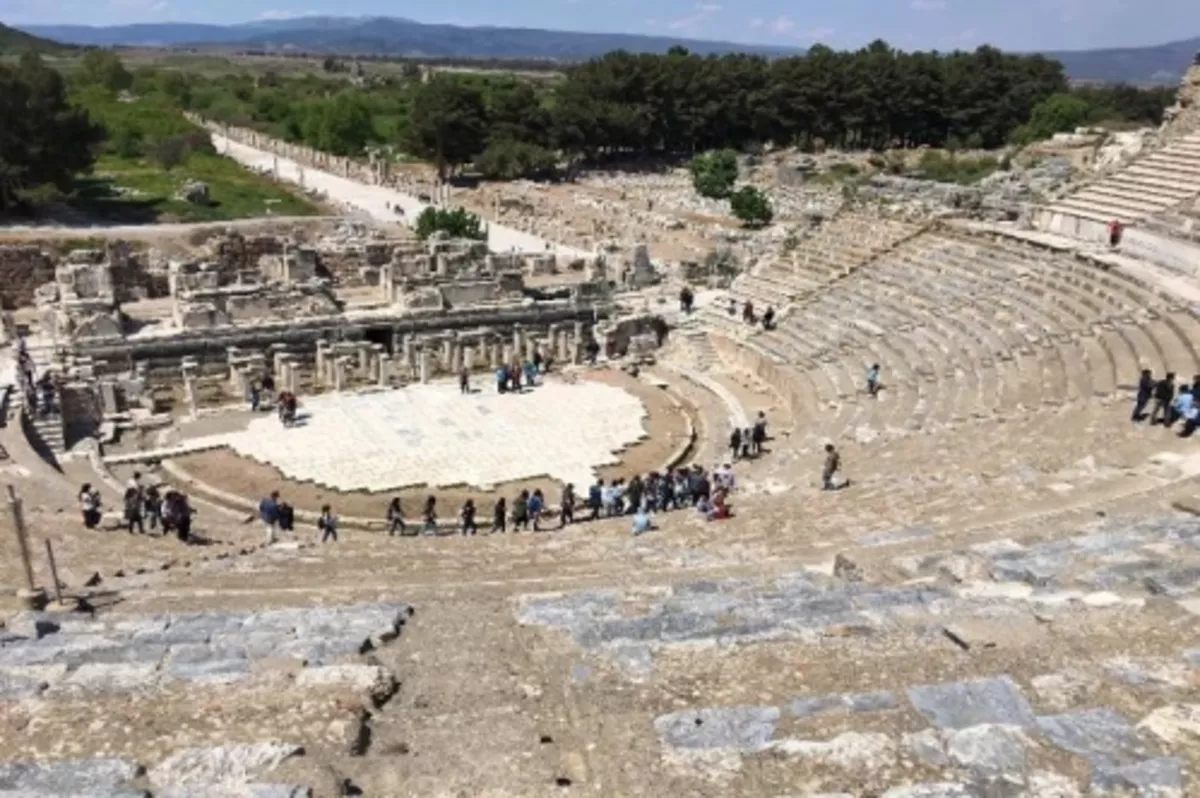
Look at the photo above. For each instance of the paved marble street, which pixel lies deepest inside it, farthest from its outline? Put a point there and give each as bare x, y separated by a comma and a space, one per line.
433, 435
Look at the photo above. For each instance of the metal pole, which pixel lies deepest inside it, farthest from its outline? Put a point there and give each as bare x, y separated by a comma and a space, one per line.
54, 573
18, 518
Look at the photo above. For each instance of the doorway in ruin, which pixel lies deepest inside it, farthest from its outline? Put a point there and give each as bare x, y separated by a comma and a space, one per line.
380, 335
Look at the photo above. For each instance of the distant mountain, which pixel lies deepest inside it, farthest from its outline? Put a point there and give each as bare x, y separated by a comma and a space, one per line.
1164, 63
13, 41
388, 36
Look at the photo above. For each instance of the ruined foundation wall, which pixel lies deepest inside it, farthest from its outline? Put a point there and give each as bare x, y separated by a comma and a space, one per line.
22, 269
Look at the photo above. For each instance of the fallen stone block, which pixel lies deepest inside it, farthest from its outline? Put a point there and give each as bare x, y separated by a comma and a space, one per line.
934, 790
103, 678
217, 671
742, 728
82, 777
851, 751
231, 791
989, 750
221, 766
369, 680
958, 705
1161, 777
1102, 736
926, 746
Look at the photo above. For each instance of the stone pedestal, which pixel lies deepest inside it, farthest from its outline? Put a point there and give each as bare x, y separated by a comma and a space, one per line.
468, 358
322, 356
384, 374
507, 354
448, 355
494, 353
577, 343
518, 339
423, 358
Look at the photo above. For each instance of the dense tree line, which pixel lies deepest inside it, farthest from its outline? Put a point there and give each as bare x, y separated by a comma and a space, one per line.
44, 140
681, 104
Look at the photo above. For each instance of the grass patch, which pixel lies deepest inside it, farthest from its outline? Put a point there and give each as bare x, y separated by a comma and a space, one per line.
949, 168
139, 191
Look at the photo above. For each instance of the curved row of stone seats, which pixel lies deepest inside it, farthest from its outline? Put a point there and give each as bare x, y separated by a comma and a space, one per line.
1153, 183
971, 329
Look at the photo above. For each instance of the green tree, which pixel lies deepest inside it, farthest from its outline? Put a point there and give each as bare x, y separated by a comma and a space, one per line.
341, 126
1055, 114
457, 223
714, 173
505, 159
447, 123
44, 141
104, 68
171, 152
751, 207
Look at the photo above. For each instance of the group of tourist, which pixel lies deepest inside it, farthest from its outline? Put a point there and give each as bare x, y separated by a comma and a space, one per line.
38, 392
1172, 402
749, 315
142, 506
510, 378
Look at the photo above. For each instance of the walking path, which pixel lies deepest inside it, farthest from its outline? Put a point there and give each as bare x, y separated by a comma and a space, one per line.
375, 199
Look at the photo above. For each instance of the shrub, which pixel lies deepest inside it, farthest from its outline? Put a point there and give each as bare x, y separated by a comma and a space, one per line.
458, 223
751, 206
714, 173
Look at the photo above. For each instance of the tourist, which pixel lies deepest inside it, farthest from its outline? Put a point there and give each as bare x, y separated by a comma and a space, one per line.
833, 464
593, 352
724, 478
1115, 229
1190, 412
873, 379
152, 506
514, 376
641, 523
686, 300
732, 310
287, 517
595, 499
683, 489
705, 509
1145, 390
253, 396
748, 312
720, 507
268, 513
520, 513
133, 510
502, 379
634, 493
698, 484
666, 492
395, 517
1164, 394
135, 482
464, 381
429, 515
268, 384
758, 435
768, 319
89, 505
1183, 404
1196, 385
531, 372
746, 443
735, 442
499, 516
567, 510
537, 504
467, 516
327, 524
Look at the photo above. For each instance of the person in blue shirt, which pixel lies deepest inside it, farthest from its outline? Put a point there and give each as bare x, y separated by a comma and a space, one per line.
641, 522
268, 512
502, 379
1183, 407
873, 379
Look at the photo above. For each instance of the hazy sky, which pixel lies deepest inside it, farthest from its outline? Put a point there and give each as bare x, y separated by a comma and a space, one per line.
910, 24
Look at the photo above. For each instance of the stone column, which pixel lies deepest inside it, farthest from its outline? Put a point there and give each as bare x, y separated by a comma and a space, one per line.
340, 366
423, 357
364, 356
292, 367
375, 367
493, 347
189, 366
448, 354
385, 369
468, 358
233, 357
577, 343
563, 352
322, 356
518, 339
508, 353
410, 356
531, 345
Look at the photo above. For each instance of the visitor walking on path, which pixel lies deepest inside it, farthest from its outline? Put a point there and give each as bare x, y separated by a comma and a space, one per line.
464, 381
537, 504
395, 517
595, 499
467, 516
567, 511
133, 510
327, 524
833, 464
268, 513
758, 435
735, 442
1145, 390
873, 380
520, 513
429, 514
499, 516
152, 506
1164, 394
89, 505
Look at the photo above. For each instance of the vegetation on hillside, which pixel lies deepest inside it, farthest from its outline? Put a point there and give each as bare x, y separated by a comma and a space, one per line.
18, 42
95, 143
456, 223
714, 173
